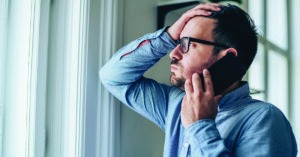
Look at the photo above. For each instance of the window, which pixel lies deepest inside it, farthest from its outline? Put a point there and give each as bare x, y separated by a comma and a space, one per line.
275, 71
270, 74
51, 100
28, 84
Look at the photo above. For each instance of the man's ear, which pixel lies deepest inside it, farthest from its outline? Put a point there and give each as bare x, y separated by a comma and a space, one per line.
229, 50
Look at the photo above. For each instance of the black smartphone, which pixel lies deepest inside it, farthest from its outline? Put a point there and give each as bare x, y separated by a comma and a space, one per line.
225, 72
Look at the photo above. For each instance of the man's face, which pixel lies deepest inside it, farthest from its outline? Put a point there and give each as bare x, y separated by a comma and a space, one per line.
199, 56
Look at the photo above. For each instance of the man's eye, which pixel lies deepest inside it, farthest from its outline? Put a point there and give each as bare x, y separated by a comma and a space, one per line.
193, 45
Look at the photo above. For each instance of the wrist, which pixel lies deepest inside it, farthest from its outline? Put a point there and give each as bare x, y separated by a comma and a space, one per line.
170, 33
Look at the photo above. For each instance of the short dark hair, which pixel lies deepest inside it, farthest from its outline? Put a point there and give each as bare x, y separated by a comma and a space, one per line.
235, 28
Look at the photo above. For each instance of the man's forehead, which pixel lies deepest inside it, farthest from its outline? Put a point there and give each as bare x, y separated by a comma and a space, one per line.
199, 27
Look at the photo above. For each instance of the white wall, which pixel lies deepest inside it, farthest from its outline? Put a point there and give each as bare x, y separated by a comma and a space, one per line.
139, 137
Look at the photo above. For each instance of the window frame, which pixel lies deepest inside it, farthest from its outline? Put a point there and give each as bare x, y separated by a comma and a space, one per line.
3, 34
270, 46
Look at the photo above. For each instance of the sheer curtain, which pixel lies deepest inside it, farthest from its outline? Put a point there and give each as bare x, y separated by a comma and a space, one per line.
51, 101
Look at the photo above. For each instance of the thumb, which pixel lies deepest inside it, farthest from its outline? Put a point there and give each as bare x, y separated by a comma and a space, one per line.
218, 98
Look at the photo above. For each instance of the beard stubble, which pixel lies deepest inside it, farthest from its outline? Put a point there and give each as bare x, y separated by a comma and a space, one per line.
180, 81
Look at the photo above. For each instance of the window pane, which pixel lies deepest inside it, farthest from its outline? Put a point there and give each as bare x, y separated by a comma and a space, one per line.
277, 23
256, 12
278, 85
256, 73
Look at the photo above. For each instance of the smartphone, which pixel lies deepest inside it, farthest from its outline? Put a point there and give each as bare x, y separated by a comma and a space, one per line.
225, 72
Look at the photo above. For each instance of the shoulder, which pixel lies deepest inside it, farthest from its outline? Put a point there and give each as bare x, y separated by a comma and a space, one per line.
266, 124
260, 111
266, 118
264, 109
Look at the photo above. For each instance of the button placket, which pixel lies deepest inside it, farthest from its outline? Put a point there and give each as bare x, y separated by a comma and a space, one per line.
185, 144
184, 150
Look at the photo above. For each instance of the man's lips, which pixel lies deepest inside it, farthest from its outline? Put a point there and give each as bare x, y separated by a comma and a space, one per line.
173, 68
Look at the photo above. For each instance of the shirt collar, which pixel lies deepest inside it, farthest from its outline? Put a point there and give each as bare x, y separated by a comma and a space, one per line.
239, 93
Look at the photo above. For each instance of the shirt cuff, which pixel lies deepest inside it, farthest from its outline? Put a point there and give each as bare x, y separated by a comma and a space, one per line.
201, 132
161, 44
165, 42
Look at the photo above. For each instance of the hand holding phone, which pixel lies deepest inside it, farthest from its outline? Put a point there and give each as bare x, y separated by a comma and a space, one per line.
225, 72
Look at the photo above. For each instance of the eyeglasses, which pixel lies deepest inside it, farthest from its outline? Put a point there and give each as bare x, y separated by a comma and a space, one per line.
186, 41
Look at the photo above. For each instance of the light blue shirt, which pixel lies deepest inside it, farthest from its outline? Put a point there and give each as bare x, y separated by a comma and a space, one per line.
243, 126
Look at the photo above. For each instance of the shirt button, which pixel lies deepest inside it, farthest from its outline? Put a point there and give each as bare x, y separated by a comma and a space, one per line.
185, 144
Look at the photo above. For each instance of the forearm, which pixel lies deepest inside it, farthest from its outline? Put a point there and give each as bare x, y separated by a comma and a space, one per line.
122, 76
131, 61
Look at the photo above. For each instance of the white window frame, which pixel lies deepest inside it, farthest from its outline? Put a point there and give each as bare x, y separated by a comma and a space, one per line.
59, 94
269, 46
3, 32
18, 96
34, 106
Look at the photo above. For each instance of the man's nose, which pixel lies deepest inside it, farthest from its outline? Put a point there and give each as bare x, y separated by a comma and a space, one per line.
176, 53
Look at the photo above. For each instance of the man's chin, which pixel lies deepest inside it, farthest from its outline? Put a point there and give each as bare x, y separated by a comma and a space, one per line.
177, 82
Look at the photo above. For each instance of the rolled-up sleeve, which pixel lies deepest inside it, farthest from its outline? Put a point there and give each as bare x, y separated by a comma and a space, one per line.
122, 75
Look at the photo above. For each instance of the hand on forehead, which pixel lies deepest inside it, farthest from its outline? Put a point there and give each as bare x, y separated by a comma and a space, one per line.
199, 27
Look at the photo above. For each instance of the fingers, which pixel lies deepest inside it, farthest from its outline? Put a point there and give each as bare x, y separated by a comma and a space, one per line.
203, 10
192, 13
183, 102
188, 87
217, 99
209, 6
197, 86
198, 12
207, 82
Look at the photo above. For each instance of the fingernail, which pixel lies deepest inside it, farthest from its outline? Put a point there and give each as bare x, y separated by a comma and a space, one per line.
187, 82
194, 75
205, 72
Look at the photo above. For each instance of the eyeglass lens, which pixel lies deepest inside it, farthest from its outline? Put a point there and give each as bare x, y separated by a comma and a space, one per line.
184, 45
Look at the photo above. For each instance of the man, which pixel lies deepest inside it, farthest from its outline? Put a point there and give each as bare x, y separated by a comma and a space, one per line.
196, 122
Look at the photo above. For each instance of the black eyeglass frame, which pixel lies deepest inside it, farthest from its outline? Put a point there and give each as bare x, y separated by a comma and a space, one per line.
198, 41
